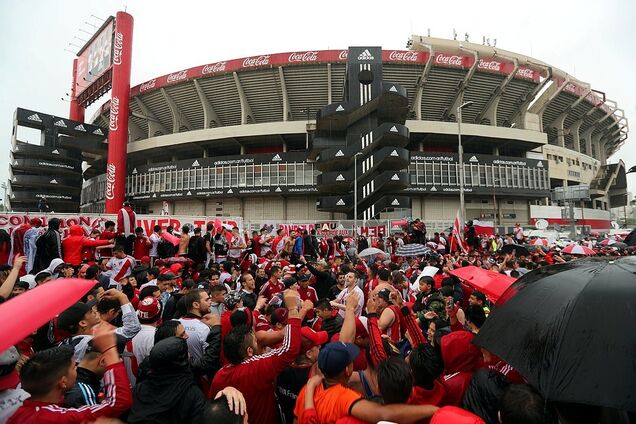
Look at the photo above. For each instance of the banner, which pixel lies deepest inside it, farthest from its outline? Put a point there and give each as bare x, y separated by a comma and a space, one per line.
90, 221
484, 227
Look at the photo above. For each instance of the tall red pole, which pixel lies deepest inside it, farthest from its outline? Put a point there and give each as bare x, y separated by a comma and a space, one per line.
76, 113
119, 109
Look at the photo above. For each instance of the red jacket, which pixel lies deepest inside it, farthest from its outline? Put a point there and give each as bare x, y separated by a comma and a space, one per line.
461, 358
255, 377
73, 244
126, 221
118, 400
454, 415
141, 247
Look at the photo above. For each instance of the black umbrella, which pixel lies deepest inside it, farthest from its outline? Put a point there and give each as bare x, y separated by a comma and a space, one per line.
630, 240
567, 329
517, 248
532, 248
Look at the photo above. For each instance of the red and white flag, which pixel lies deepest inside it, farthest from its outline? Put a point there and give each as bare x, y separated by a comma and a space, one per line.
457, 240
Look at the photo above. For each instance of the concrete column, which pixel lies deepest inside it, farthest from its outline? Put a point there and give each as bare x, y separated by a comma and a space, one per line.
574, 130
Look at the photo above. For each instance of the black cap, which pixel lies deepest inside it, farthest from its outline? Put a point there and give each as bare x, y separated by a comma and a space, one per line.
289, 281
73, 315
385, 294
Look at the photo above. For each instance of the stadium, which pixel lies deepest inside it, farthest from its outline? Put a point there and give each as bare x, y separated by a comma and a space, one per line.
265, 137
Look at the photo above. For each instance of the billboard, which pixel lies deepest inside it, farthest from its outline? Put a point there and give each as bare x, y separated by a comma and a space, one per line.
94, 61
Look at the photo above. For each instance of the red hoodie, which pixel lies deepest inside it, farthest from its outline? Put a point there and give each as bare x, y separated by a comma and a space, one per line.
422, 396
73, 244
461, 358
453, 415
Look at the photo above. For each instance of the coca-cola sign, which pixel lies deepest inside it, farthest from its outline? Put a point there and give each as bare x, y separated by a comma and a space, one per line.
256, 61
110, 181
344, 54
149, 85
114, 114
177, 76
403, 56
489, 65
303, 57
448, 60
213, 68
117, 47
525, 73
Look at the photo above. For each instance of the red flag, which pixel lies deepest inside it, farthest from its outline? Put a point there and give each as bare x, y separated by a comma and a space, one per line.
218, 226
457, 241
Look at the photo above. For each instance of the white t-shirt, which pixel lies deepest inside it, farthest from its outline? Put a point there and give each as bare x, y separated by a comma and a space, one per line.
143, 342
342, 299
197, 336
155, 239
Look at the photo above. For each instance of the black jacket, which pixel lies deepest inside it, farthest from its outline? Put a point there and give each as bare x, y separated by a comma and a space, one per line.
170, 310
324, 281
85, 390
48, 246
169, 394
311, 246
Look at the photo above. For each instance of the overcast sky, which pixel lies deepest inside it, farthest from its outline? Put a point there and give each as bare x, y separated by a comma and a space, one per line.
592, 40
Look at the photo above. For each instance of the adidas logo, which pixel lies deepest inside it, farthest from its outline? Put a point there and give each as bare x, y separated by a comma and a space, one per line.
134, 171
340, 178
276, 158
98, 131
394, 129
13, 196
53, 181
394, 153
60, 123
433, 188
540, 164
80, 127
393, 89
230, 191
340, 203
154, 195
395, 177
395, 202
14, 179
55, 152
35, 117
195, 163
278, 190
473, 159
339, 108
339, 153
365, 55
189, 193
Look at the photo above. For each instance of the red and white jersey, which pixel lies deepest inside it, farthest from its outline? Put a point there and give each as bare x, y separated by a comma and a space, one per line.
126, 220
120, 268
519, 233
235, 249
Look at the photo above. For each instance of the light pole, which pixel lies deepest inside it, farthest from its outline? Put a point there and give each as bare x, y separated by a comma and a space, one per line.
306, 110
460, 150
355, 194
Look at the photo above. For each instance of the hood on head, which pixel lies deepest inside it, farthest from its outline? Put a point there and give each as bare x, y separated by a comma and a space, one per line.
54, 224
459, 353
76, 230
54, 264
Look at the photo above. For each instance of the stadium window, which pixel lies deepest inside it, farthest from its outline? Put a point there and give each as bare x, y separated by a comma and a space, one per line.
267, 175
443, 173
428, 173
242, 175
309, 174
234, 171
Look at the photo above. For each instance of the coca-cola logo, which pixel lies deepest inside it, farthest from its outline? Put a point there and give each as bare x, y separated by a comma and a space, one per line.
407, 56
489, 65
214, 68
114, 114
147, 85
344, 54
110, 181
256, 61
525, 73
442, 59
178, 76
303, 57
118, 45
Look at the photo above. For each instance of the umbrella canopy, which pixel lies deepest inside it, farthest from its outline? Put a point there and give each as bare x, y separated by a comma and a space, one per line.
412, 249
563, 328
492, 284
630, 239
516, 248
577, 249
27, 312
607, 242
370, 251
532, 248
539, 242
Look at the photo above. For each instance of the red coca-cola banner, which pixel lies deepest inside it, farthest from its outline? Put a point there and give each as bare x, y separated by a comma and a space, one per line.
591, 97
119, 109
325, 56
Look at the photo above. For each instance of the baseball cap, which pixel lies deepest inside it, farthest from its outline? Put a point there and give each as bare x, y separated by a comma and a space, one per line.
9, 377
335, 357
166, 276
385, 294
36, 221
231, 299
145, 259
148, 309
311, 338
304, 277
289, 281
73, 315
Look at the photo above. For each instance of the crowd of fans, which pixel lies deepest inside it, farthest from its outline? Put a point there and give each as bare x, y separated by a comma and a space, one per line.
224, 327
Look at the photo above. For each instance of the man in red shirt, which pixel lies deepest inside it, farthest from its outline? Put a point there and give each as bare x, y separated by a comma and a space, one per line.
273, 285
141, 245
255, 375
107, 234
307, 293
126, 221
52, 372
